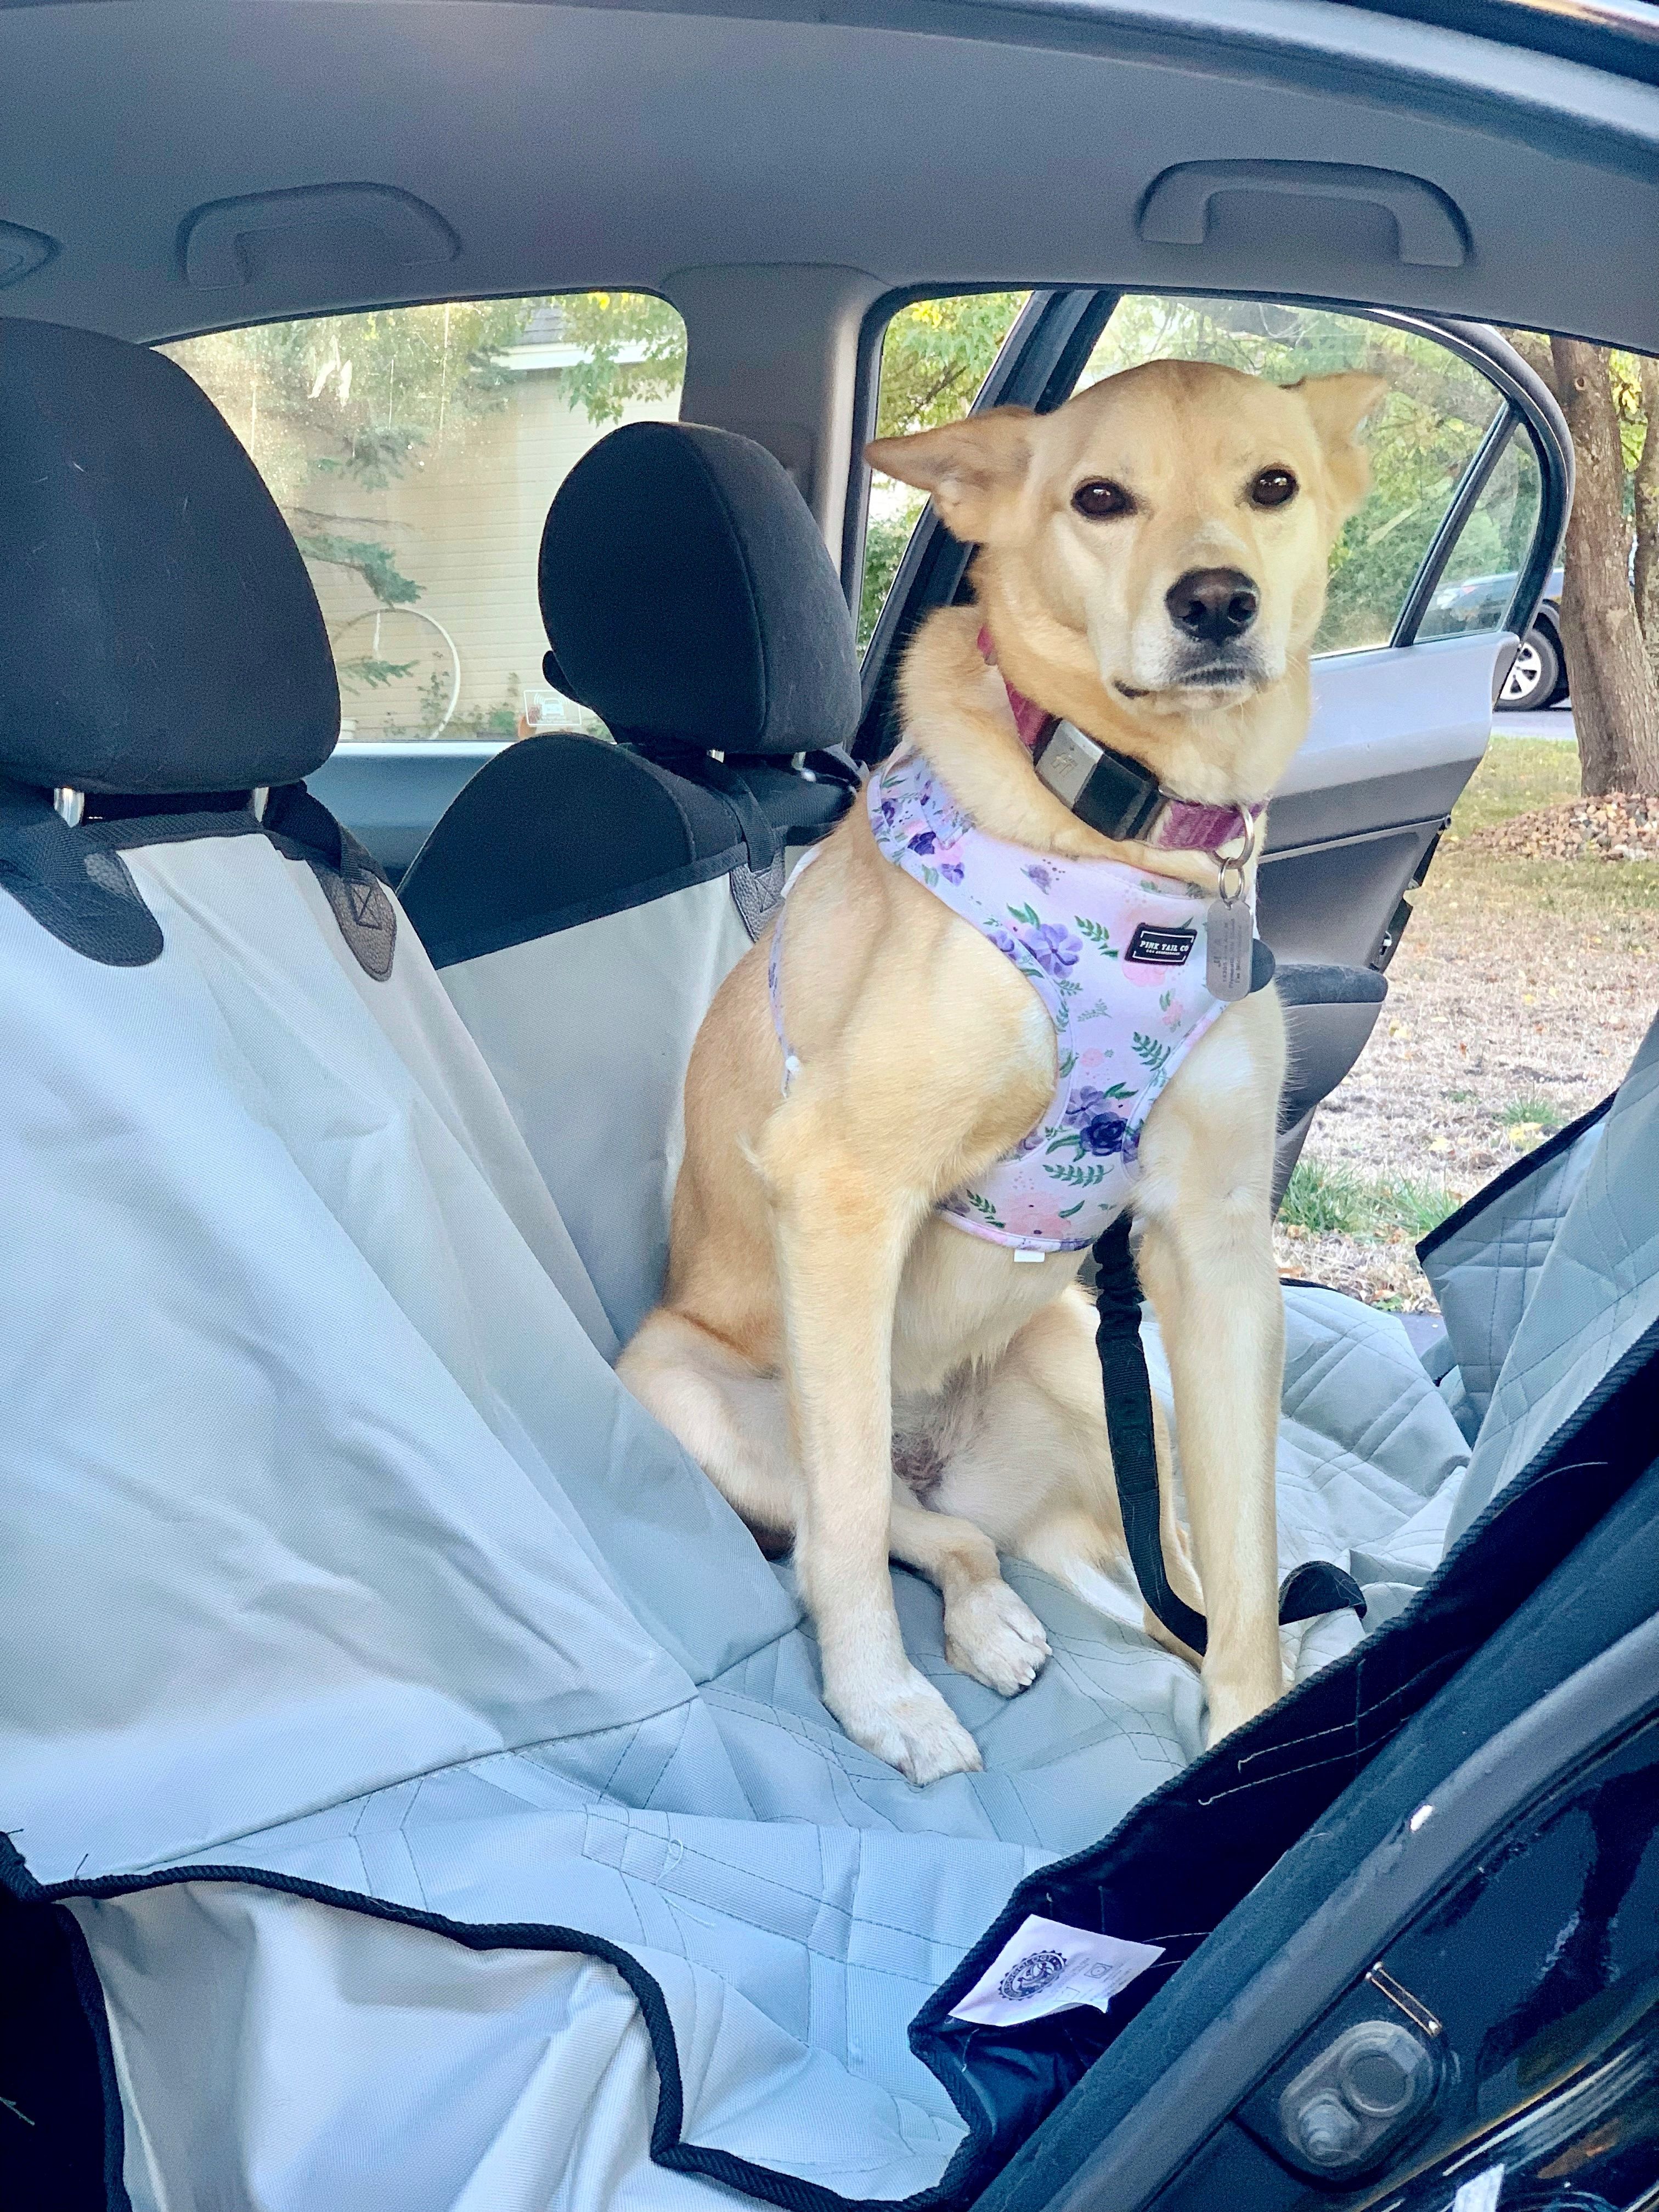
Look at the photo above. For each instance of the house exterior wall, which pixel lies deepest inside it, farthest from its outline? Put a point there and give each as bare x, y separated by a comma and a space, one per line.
464, 523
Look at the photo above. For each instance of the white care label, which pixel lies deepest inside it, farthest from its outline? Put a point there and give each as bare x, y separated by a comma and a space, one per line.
1483, 2193
1046, 1966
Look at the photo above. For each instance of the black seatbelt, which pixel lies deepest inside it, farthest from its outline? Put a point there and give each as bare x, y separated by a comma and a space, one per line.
1315, 1588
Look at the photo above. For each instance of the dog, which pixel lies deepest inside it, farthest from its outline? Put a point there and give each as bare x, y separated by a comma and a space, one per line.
860, 1377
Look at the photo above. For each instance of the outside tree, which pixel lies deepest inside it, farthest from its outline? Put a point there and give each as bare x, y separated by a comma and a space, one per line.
1609, 598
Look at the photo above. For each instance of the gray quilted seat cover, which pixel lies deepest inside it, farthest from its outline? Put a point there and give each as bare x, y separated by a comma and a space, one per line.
352, 1607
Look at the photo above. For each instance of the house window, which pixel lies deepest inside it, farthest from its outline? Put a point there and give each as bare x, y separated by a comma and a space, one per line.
414, 452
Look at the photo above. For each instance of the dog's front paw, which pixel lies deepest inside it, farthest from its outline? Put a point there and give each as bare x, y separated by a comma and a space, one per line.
992, 1635
910, 1726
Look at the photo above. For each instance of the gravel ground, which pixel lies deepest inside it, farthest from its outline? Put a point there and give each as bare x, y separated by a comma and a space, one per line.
1518, 996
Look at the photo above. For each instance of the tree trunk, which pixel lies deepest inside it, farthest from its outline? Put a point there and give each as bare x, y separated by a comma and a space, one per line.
1615, 701
1645, 580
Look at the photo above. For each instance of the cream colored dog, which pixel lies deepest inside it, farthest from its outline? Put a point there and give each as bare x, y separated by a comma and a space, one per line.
830, 1348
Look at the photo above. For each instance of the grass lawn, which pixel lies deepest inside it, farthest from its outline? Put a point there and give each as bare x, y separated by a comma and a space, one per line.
1518, 996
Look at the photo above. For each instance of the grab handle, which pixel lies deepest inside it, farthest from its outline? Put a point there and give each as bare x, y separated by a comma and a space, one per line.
216, 242
1429, 229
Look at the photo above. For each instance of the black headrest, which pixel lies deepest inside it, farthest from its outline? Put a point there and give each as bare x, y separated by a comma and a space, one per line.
689, 597
158, 630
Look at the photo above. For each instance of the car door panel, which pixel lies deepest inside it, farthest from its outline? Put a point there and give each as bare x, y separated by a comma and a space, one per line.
1396, 733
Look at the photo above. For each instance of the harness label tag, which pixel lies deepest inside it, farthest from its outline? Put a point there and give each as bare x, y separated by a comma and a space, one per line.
1161, 948
1046, 1966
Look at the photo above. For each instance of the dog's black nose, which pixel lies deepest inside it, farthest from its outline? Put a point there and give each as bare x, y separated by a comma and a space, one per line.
1212, 606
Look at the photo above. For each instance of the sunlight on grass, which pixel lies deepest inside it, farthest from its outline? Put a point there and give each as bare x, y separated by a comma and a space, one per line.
1335, 1200
1516, 775
1531, 1113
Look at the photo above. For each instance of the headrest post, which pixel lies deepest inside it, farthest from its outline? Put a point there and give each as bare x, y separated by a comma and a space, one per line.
71, 805
260, 799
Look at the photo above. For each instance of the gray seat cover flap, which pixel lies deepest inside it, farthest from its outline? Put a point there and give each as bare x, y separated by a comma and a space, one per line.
1589, 1298
1485, 1262
588, 1033
338, 1562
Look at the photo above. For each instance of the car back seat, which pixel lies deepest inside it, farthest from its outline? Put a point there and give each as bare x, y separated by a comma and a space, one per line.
584, 898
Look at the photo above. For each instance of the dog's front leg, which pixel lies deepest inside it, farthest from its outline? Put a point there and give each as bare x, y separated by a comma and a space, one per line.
1207, 1261
841, 1239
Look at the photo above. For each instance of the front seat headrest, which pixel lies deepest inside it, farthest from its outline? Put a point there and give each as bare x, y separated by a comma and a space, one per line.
158, 630
689, 597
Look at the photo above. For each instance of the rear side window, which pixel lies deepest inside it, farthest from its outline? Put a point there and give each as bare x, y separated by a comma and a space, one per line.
414, 452
1478, 579
1421, 438
935, 354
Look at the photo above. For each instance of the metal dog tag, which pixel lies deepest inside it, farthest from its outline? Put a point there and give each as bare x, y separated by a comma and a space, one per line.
1229, 929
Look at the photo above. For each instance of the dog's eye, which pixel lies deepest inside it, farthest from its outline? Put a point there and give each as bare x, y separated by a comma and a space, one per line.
1100, 497
1272, 488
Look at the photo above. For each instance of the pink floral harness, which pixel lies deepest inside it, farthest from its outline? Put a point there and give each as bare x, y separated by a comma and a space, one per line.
1117, 958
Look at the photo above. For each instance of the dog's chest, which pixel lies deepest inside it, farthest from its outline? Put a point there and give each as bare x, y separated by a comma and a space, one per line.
962, 1301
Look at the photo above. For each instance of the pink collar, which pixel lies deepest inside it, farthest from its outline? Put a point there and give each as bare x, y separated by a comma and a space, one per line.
1186, 825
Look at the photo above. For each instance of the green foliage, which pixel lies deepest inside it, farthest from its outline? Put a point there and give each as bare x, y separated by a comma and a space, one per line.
884, 542
610, 324
1335, 1200
1321, 1199
365, 673
935, 354
1530, 1113
368, 397
363, 400
359, 396
366, 558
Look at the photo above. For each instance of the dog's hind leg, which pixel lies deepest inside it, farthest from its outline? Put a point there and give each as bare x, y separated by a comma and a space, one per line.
989, 1633
732, 1419
1037, 1473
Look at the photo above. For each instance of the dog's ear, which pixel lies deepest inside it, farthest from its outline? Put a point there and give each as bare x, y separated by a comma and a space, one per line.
1339, 404
968, 468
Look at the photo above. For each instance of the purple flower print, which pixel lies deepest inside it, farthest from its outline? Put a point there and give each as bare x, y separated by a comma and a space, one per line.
923, 843
1085, 1103
1039, 875
1104, 1134
948, 861
1053, 946
1003, 939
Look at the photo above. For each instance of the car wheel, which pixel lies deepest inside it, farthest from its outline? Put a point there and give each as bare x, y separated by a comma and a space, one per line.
1534, 674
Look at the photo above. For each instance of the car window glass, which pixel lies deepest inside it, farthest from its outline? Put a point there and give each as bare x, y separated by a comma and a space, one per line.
935, 354
1421, 438
1480, 577
414, 452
